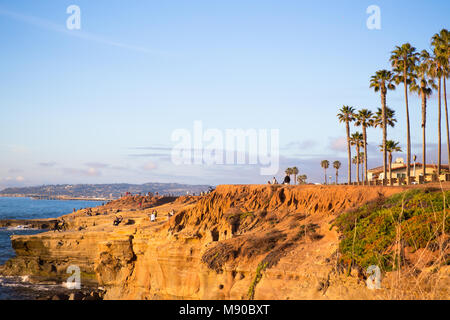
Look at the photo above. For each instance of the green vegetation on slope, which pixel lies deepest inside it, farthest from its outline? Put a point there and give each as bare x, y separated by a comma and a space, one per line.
416, 217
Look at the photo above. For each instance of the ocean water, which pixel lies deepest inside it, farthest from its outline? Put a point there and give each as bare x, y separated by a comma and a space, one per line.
27, 208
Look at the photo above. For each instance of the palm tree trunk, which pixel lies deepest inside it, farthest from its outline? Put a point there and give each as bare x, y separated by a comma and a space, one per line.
424, 148
408, 135
365, 155
357, 165
446, 121
349, 153
325, 176
362, 171
439, 129
383, 107
337, 173
390, 169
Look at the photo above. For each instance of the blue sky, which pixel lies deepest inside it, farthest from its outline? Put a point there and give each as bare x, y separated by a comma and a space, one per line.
98, 105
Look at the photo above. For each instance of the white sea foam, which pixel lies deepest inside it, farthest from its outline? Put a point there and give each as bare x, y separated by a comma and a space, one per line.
70, 285
21, 228
22, 282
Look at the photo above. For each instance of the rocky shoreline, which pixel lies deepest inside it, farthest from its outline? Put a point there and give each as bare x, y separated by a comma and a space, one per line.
89, 295
41, 224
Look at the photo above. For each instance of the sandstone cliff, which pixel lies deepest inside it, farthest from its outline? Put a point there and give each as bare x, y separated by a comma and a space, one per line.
239, 242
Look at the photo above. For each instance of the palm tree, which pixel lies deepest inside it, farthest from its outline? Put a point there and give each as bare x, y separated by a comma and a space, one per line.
446, 53
302, 179
403, 60
364, 119
445, 34
391, 147
288, 172
357, 140
347, 114
325, 164
295, 173
440, 71
424, 90
383, 81
361, 163
390, 118
337, 166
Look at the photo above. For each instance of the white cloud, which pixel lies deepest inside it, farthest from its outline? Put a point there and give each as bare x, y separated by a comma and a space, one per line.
90, 172
338, 144
149, 166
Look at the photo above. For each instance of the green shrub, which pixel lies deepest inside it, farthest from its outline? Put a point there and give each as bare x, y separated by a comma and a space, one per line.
258, 276
418, 212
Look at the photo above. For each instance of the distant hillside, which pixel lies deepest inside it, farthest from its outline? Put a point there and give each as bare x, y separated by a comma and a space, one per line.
103, 190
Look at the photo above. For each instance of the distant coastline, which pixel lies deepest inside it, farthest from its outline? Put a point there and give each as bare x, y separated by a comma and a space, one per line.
101, 192
44, 197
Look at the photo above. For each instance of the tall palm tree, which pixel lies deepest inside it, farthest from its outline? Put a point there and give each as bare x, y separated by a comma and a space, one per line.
424, 89
391, 147
446, 75
325, 164
403, 61
295, 173
440, 70
337, 166
436, 72
302, 179
364, 119
347, 115
356, 140
383, 81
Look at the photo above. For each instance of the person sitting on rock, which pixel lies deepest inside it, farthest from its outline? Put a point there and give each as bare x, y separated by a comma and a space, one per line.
153, 216
287, 180
59, 225
274, 181
63, 224
117, 221
56, 226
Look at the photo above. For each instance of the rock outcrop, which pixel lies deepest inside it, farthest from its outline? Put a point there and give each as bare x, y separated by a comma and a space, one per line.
239, 242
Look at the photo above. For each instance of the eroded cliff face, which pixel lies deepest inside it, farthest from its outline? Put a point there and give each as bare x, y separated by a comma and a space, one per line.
239, 242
